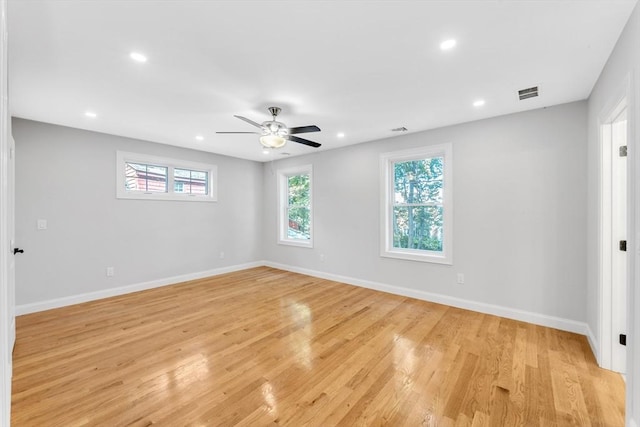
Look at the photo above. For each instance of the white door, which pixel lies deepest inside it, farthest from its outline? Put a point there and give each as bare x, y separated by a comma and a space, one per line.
619, 236
11, 228
7, 263
613, 259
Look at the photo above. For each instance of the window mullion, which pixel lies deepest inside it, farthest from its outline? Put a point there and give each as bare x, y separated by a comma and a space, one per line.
146, 178
170, 180
413, 205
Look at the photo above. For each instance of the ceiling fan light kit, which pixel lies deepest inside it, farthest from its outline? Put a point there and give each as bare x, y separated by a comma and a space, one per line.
272, 141
276, 134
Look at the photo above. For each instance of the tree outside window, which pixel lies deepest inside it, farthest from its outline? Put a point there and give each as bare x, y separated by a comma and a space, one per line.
417, 209
299, 211
295, 213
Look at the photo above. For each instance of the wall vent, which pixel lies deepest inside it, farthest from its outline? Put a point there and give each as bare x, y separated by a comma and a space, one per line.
400, 129
530, 92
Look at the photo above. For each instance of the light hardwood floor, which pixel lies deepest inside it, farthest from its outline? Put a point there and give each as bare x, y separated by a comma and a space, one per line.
268, 347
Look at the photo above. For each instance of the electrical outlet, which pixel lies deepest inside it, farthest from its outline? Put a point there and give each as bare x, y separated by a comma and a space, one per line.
221, 255
460, 279
321, 257
42, 224
110, 272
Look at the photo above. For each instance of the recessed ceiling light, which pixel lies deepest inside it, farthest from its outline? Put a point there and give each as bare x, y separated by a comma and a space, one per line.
478, 103
91, 114
340, 135
200, 137
138, 57
265, 151
448, 44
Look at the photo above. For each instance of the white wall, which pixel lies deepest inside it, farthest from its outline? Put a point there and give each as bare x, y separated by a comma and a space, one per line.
67, 176
623, 65
519, 213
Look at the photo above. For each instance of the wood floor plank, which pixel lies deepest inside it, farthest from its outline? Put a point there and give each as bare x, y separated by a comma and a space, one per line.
268, 347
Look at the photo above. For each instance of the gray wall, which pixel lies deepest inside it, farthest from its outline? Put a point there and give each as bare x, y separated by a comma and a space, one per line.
519, 218
623, 63
67, 176
519, 213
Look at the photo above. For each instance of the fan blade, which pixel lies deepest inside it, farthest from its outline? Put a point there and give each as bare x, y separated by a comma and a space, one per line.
303, 141
304, 129
251, 122
255, 133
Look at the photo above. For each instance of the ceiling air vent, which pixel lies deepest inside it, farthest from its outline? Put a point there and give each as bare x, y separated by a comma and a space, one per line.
530, 92
400, 129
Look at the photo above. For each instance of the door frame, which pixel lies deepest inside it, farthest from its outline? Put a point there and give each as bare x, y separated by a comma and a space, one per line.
5, 308
632, 408
607, 341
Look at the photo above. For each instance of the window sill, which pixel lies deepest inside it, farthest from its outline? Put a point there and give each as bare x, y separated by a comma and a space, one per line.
166, 197
417, 256
300, 243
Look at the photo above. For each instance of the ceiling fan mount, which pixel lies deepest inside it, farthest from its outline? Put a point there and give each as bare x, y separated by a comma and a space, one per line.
274, 111
275, 134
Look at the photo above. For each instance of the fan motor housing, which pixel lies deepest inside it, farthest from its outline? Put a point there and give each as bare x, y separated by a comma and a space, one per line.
274, 128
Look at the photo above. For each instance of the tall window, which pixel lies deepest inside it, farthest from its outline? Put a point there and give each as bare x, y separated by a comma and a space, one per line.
295, 214
140, 176
417, 204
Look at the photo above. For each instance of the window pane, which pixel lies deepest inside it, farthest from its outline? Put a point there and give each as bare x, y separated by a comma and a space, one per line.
298, 190
157, 170
157, 179
190, 182
147, 178
199, 182
299, 224
135, 177
198, 176
418, 181
137, 167
182, 173
418, 227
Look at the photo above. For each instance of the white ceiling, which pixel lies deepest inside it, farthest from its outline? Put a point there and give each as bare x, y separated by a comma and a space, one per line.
358, 67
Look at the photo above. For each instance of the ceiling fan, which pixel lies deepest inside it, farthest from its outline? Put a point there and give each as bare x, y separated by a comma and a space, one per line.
275, 134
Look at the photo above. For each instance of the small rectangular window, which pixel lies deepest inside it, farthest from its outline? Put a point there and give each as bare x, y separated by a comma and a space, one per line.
295, 217
140, 176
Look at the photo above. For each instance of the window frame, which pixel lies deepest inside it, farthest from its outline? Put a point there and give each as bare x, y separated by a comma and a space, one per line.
283, 205
387, 161
124, 157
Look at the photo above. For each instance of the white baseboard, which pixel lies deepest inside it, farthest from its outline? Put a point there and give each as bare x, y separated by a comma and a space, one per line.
593, 342
12, 334
92, 296
510, 313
